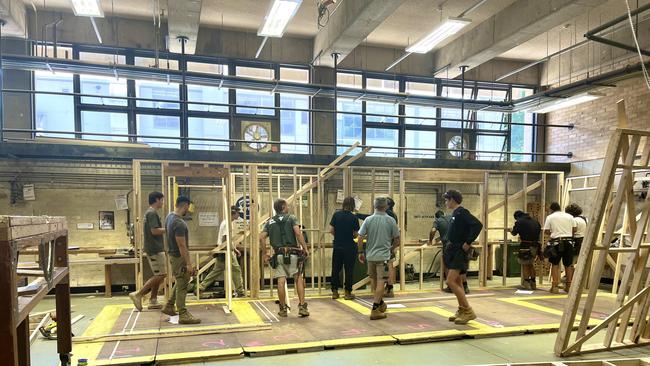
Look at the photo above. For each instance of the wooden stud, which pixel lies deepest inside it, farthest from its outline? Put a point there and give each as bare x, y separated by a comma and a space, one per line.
402, 226
256, 263
505, 249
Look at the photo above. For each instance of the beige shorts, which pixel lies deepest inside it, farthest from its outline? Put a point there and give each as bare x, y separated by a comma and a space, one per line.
286, 270
158, 264
377, 270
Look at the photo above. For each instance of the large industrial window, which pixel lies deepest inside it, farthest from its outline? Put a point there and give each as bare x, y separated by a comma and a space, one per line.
349, 80
419, 111
382, 137
416, 88
155, 125
53, 112
522, 137
163, 93
490, 143
348, 126
104, 123
208, 128
104, 86
422, 140
207, 94
207, 68
294, 125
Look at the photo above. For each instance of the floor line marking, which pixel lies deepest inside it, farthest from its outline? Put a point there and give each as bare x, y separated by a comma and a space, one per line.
117, 344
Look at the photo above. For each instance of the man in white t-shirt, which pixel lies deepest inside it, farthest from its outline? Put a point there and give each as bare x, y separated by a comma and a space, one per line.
560, 226
220, 264
581, 228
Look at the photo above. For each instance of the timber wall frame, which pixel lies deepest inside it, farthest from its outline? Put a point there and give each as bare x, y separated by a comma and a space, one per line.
628, 150
308, 182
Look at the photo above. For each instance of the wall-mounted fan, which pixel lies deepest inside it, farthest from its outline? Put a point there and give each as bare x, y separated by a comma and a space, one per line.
256, 136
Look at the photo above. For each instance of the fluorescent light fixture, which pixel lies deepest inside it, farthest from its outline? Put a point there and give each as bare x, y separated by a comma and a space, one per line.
445, 30
565, 103
278, 16
87, 8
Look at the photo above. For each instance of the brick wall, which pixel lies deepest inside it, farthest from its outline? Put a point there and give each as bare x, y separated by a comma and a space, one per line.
595, 121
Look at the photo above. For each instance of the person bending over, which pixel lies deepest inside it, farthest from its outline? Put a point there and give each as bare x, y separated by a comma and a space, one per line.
529, 231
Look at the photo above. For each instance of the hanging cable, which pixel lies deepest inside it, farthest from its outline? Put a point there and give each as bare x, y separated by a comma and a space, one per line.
636, 42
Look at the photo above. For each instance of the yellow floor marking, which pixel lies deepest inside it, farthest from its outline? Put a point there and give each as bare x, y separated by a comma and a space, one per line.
245, 313
436, 334
102, 324
122, 361
358, 341
285, 346
228, 352
362, 309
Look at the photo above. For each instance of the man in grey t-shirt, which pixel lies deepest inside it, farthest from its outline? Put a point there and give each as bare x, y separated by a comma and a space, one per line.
179, 257
153, 246
382, 237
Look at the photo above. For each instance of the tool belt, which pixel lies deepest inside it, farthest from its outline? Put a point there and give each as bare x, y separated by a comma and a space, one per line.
526, 254
553, 247
286, 253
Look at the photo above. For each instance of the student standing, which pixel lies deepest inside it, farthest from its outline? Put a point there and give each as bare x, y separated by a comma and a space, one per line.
344, 226
581, 228
153, 246
463, 230
561, 227
529, 231
179, 257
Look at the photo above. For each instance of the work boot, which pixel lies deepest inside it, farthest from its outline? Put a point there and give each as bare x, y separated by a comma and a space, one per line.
455, 316
525, 285
335, 294
533, 284
447, 290
466, 288
241, 293
465, 315
186, 317
154, 305
388, 292
349, 295
376, 315
169, 310
283, 311
302, 310
554, 289
136, 298
382, 307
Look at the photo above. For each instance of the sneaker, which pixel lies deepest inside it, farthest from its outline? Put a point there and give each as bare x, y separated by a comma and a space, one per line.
169, 310
349, 295
455, 316
389, 292
187, 318
376, 315
465, 315
154, 305
447, 290
554, 289
335, 294
466, 287
283, 311
302, 310
136, 299
382, 307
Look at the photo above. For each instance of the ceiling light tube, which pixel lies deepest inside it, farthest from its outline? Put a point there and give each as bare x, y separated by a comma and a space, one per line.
87, 8
565, 103
278, 17
445, 30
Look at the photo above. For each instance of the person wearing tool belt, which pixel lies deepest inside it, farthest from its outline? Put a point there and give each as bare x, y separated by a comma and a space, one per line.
561, 227
289, 254
528, 230
581, 228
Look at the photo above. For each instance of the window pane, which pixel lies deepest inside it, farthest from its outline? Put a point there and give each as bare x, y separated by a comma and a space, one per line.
102, 58
382, 137
255, 72
421, 88
381, 108
490, 94
294, 75
294, 125
208, 128
157, 90
490, 143
101, 85
348, 126
521, 138
347, 80
452, 113
490, 116
420, 139
48, 51
150, 125
390, 86
207, 94
518, 93
453, 92
414, 110
151, 62
207, 68
255, 98
105, 122
54, 112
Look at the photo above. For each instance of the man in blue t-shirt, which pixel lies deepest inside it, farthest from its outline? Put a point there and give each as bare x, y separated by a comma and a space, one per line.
344, 226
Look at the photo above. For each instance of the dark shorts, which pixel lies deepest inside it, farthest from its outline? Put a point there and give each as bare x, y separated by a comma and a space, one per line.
565, 253
456, 258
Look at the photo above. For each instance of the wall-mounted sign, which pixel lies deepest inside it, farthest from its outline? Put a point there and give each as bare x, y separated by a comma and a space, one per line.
208, 219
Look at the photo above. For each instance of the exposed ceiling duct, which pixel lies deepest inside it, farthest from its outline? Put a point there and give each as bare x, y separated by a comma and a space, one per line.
183, 22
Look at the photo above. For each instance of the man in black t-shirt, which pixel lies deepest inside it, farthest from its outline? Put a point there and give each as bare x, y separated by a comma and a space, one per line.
344, 225
529, 231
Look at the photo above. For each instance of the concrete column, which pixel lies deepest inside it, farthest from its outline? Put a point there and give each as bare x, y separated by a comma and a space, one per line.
323, 125
17, 107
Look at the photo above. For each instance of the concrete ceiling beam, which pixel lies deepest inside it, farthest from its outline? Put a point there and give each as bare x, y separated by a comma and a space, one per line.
183, 22
12, 12
514, 25
348, 26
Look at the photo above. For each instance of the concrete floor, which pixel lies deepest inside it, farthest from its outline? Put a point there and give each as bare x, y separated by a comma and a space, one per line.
523, 348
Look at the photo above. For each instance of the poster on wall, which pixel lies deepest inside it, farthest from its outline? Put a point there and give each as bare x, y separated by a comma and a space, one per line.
208, 219
121, 203
106, 220
28, 192
340, 196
